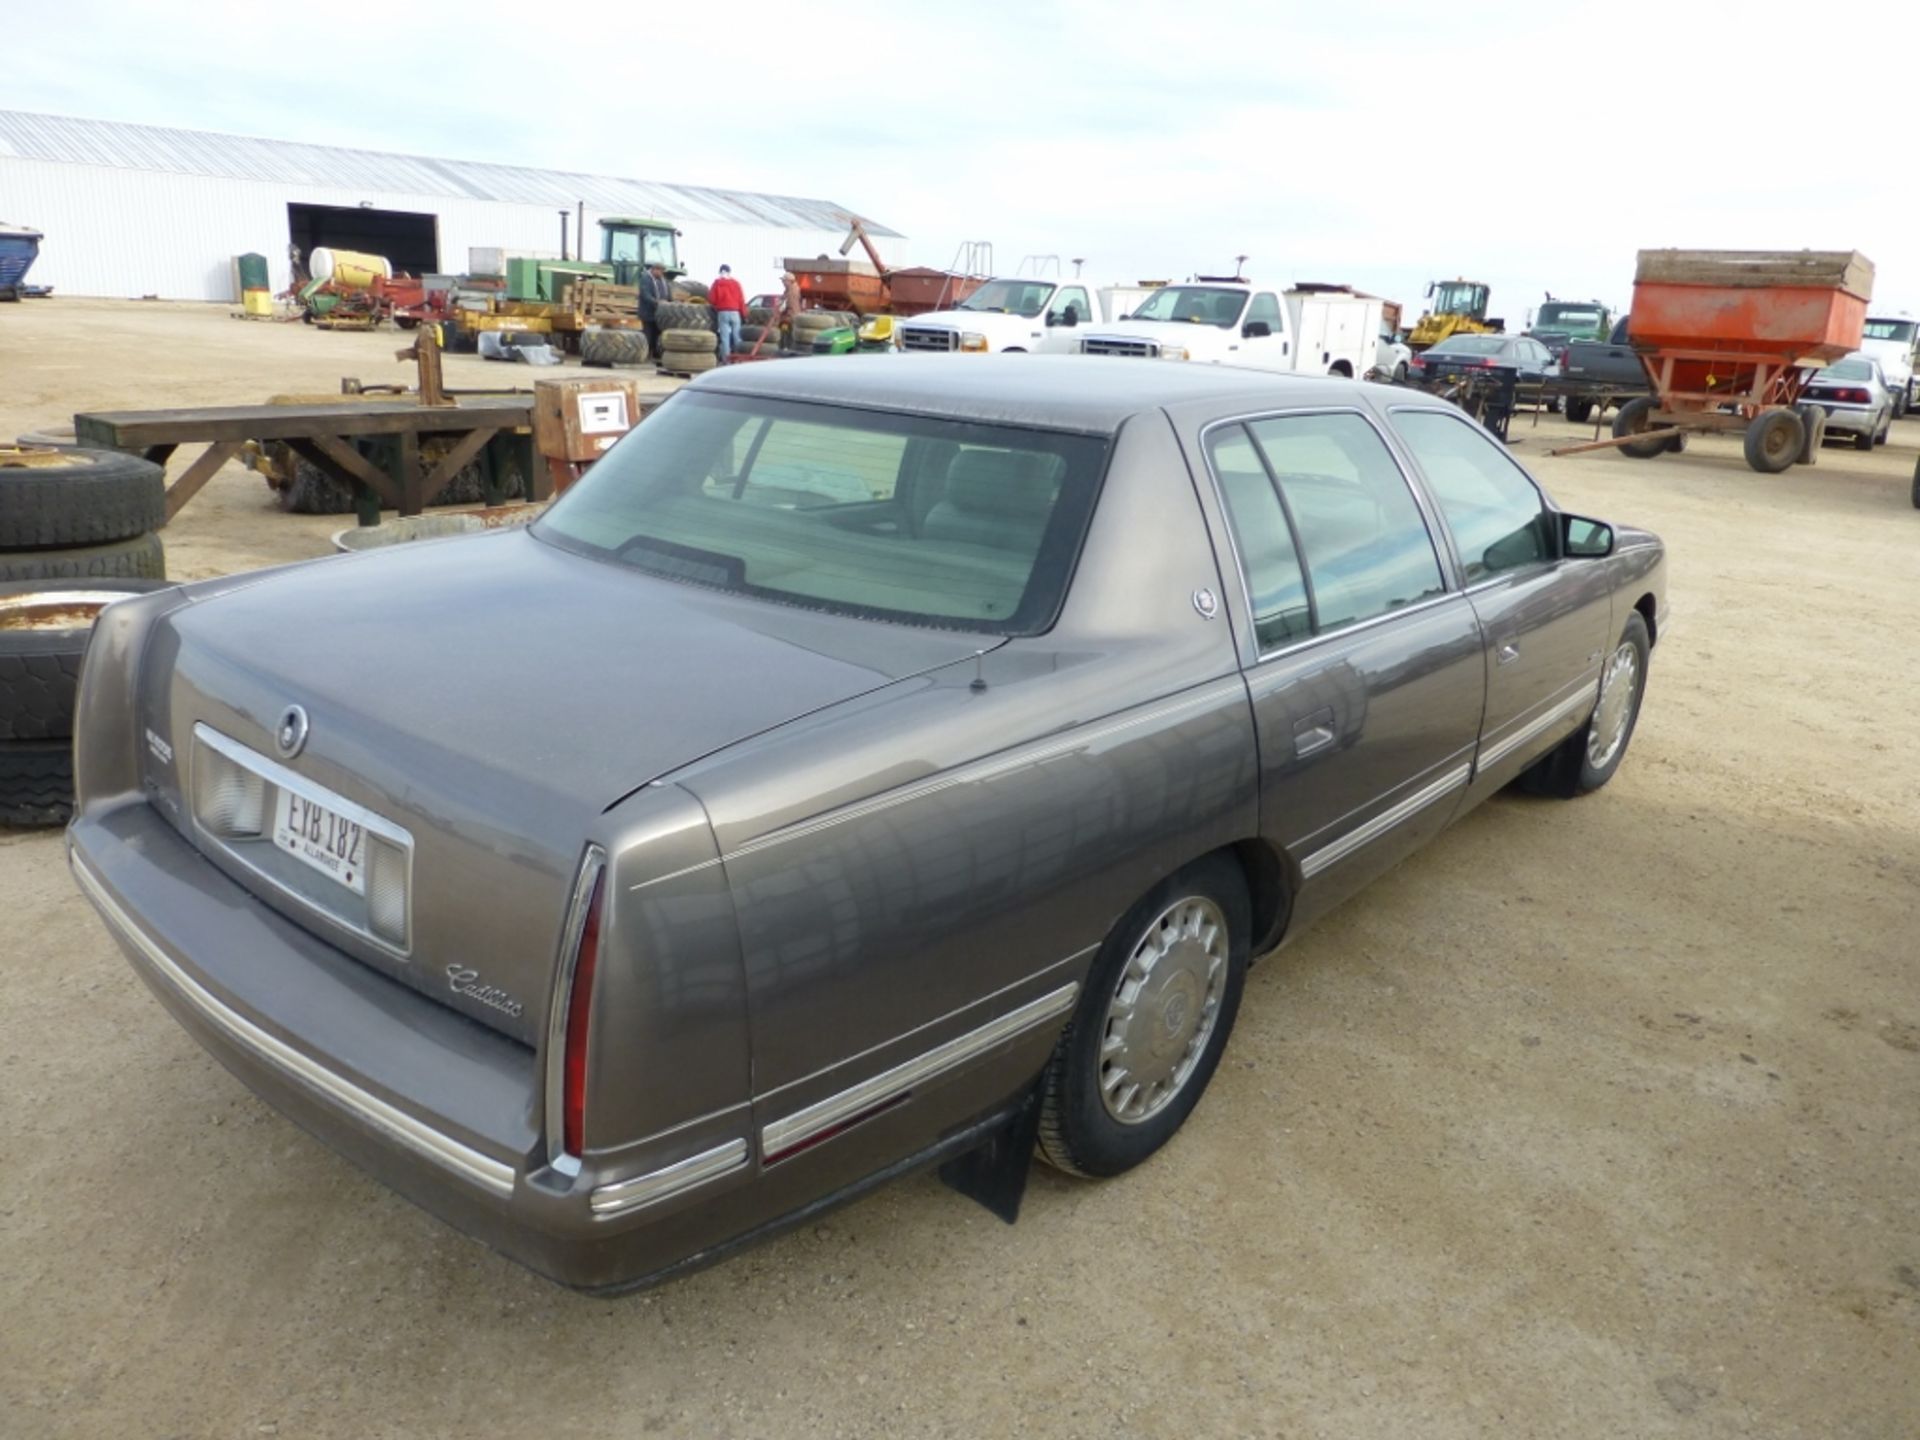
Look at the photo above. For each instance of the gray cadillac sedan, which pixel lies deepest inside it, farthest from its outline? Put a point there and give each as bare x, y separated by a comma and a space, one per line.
866, 765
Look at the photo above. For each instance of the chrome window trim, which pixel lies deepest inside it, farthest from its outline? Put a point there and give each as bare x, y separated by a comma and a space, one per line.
1386, 820
422, 1139
1448, 586
1499, 751
623, 1197
803, 1125
280, 777
593, 864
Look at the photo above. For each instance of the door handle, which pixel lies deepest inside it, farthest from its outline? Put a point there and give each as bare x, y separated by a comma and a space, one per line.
1314, 733
1507, 654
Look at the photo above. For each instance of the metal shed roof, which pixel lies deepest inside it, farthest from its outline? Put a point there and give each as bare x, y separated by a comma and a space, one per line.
69, 140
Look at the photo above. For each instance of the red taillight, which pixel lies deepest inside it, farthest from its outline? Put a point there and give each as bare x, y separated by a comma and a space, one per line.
573, 1105
1853, 397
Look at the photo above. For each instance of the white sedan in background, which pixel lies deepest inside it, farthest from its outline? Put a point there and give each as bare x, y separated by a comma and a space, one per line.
1855, 396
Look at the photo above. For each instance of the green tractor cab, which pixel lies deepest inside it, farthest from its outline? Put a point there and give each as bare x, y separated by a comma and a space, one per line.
628, 245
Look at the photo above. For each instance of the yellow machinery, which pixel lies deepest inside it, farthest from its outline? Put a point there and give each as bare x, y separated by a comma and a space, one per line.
1459, 307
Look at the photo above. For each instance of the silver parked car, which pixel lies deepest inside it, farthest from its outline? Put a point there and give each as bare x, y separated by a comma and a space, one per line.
864, 766
1855, 396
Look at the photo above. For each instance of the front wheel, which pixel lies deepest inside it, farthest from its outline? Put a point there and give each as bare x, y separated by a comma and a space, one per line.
1588, 758
1151, 1023
1774, 440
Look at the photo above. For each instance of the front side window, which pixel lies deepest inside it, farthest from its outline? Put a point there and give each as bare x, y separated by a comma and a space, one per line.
1358, 528
1275, 582
1267, 309
1074, 298
882, 516
1497, 517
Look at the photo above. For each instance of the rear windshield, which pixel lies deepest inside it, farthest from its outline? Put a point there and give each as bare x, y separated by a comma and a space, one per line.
864, 513
1470, 345
1847, 370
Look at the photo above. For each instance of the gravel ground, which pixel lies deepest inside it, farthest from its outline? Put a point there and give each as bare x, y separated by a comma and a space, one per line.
1593, 1119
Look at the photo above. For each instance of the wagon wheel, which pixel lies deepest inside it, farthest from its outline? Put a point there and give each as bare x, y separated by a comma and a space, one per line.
1774, 441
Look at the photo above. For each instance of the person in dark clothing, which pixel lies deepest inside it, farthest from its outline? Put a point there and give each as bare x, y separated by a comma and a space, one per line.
654, 287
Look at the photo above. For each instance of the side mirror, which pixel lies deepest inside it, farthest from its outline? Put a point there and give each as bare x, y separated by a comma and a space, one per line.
1053, 319
1256, 329
1127, 316
1584, 539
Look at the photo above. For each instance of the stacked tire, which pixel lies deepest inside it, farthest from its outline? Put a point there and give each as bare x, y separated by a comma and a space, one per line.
74, 514
688, 352
44, 628
609, 347
684, 315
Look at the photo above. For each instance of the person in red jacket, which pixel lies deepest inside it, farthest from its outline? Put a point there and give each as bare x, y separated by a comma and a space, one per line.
729, 303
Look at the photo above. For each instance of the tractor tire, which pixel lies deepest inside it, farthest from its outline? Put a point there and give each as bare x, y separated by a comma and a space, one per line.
759, 315
138, 559
1631, 420
688, 362
613, 347
40, 666
313, 491
77, 497
698, 342
695, 288
1774, 440
36, 782
678, 315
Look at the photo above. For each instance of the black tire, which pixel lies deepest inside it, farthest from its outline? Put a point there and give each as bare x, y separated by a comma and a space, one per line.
1632, 418
1570, 769
692, 287
40, 668
1916, 485
613, 347
680, 315
36, 782
700, 342
77, 497
1813, 420
1078, 1132
1863, 441
1774, 440
1579, 411
138, 559
688, 362
760, 315
313, 491
751, 333
1885, 431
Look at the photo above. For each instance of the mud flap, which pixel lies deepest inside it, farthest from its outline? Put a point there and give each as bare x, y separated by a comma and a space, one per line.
995, 1172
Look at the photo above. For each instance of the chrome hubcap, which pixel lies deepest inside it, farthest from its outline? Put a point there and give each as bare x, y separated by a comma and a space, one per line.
1163, 1011
1618, 689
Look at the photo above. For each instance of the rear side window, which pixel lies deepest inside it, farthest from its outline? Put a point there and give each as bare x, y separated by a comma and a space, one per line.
1265, 540
1362, 536
1496, 515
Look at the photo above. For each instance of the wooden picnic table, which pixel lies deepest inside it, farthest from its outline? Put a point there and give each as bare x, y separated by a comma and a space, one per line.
321, 434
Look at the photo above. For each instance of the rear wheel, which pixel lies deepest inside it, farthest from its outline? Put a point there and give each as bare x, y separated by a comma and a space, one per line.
1151, 1023
1400, 373
1774, 441
1579, 411
1863, 441
1636, 418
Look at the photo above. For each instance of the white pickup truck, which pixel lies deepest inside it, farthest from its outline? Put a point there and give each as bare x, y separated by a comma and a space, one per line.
1042, 316
1310, 330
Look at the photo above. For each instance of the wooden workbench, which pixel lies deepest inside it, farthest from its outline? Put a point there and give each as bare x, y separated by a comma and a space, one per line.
320, 434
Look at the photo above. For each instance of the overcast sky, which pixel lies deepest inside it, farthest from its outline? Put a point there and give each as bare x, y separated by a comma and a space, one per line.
1532, 146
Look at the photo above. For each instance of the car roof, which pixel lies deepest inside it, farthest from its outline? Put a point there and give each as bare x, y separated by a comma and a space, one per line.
1093, 394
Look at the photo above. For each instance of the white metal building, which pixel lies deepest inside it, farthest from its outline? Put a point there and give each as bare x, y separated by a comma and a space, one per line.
135, 210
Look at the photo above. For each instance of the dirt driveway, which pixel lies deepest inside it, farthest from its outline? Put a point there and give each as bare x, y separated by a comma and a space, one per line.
1598, 1119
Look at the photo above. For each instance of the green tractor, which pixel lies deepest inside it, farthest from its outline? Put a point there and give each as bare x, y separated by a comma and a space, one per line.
628, 245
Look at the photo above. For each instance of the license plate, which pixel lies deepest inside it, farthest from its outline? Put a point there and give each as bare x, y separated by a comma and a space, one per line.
317, 836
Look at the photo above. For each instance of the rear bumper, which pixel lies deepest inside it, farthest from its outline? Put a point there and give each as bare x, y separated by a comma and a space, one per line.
446, 1111
1848, 419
